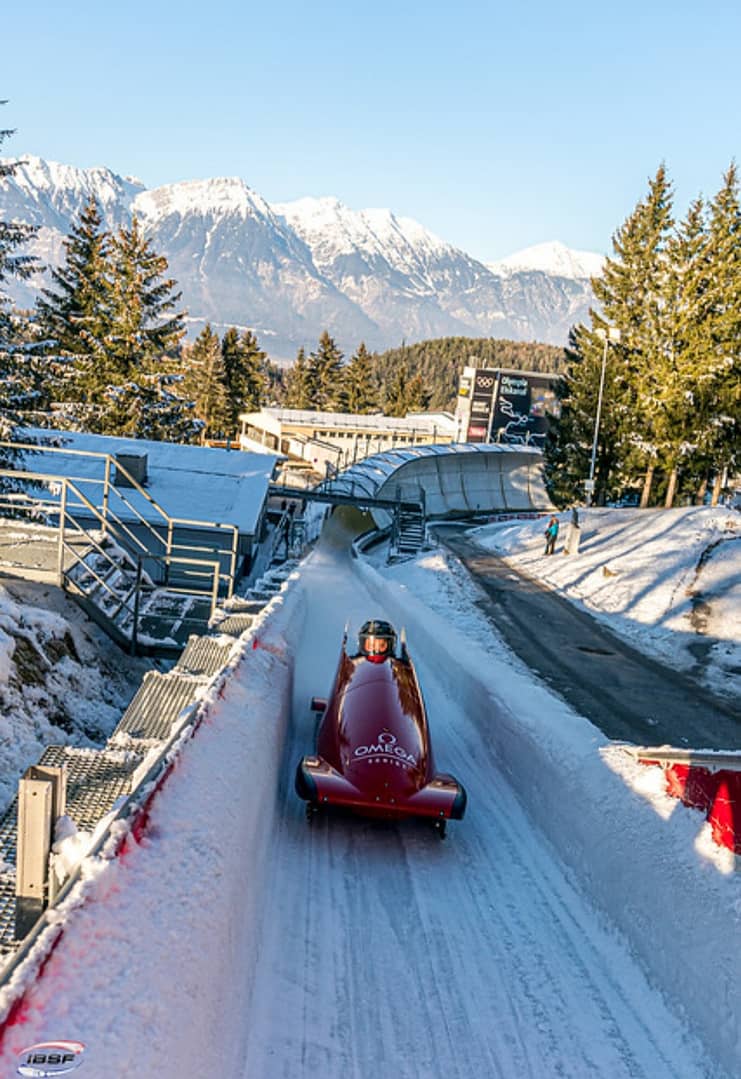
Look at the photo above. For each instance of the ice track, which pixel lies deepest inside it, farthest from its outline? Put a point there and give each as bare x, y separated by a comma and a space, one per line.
388, 953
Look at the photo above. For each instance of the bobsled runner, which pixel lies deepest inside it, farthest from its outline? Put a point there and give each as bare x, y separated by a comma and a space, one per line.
373, 752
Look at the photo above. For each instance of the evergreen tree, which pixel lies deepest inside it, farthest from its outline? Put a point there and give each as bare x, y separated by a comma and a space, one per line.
112, 334
631, 293
361, 395
718, 385
13, 235
76, 316
568, 445
206, 384
299, 389
138, 382
686, 296
17, 375
244, 362
405, 394
145, 327
326, 376
146, 410
439, 363
75, 319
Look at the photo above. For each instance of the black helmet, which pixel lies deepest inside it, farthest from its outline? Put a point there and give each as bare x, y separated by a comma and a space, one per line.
377, 638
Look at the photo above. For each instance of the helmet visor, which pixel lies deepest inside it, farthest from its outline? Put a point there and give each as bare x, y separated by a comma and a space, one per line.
376, 646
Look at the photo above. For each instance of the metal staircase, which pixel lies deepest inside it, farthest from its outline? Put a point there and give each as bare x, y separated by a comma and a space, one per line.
411, 532
149, 587
409, 527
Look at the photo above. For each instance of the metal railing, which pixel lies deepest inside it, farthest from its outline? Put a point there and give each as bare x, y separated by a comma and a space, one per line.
125, 559
167, 546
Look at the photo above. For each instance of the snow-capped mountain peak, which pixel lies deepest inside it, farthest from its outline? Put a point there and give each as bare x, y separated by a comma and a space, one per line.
293, 269
220, 197
49, 192
551, 258
332, 230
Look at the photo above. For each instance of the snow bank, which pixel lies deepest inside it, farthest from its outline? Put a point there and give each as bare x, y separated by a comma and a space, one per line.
61, 682
654, 876
160, 945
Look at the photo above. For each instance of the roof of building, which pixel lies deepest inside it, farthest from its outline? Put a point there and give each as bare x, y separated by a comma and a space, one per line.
443, 422
193, 482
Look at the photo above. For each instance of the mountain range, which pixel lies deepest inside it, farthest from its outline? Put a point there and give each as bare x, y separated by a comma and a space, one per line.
290, 270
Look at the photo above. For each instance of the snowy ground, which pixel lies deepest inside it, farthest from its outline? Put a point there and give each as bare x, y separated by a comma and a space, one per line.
561, 930
62, 681
667, 580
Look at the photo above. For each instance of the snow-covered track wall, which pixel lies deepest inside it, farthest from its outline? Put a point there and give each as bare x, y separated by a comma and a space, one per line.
457, 480
645, 872
154, 896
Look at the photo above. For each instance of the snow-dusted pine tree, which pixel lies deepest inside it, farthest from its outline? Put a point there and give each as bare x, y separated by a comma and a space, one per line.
145, 329
74, 319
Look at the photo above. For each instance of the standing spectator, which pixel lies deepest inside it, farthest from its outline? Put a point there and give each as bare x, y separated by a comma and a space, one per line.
551, 535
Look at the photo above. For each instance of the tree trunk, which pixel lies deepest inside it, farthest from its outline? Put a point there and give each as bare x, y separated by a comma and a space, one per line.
646, 493
717, 484
700, 496
671, 489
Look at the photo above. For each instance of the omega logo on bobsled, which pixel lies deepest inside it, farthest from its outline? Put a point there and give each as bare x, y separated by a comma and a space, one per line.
373, 752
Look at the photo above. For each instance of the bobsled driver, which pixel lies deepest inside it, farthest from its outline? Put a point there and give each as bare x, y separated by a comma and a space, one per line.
377, 640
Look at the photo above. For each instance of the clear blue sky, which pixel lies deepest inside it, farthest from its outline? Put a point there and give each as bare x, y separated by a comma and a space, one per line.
495, 126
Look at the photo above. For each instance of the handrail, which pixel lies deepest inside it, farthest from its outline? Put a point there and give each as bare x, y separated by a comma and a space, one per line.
68, 486
108, 486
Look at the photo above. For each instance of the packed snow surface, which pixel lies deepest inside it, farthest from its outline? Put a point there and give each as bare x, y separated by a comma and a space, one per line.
237, 939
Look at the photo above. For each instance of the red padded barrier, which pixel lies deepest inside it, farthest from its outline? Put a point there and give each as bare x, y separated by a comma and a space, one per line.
717, 794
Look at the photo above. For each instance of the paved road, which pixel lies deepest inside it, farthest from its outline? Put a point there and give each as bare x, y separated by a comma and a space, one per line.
629, 696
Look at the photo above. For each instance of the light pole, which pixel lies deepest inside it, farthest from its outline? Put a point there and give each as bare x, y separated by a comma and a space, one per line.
611, 333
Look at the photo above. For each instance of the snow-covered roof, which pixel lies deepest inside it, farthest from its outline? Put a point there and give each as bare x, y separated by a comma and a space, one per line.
442, 422
193, 482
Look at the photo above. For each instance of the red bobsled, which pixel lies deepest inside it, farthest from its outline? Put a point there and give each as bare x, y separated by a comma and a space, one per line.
373, 752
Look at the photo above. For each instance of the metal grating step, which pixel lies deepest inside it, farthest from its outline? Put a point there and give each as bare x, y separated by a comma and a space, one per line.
203, 657
95, 779
264, 593
234, 624
8, 943
241, 605
158, 702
